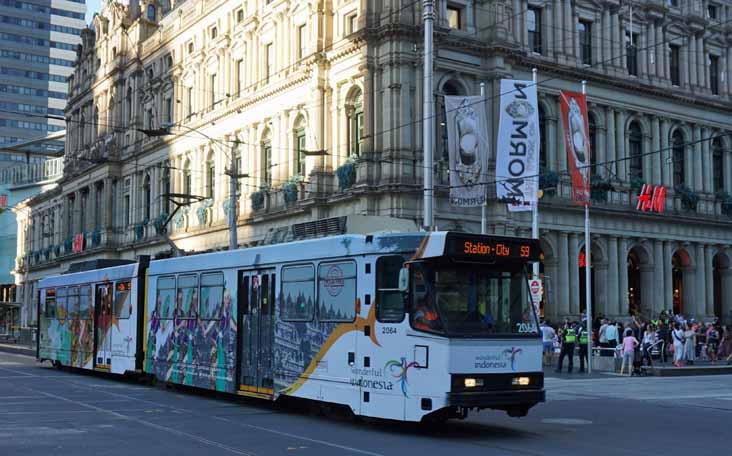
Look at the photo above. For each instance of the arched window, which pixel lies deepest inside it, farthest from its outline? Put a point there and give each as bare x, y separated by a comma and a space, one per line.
147, 195
354, 112
210, 176
677, 144
635, 144
129, 105
151, 12
592, 127
266, 159
300, 144
542, 138
187, 183
717, 166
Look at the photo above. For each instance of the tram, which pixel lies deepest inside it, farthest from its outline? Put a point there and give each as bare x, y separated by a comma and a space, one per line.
404, 326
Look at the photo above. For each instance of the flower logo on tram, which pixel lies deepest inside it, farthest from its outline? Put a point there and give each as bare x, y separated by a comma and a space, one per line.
512, 353
398, 370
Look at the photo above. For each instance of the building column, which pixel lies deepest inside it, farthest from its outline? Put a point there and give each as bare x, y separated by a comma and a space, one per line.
518, 20
707, 161
557, 30
656, 159
648, 291
557, 161
726, 278
659, 277
653, 50
693, 69
668, 293
606, 41
622, 168
700, 297
601, 152
709, 260
623, 275
563, 301
643, 52
701, 62
569, 28
611, 150
666, 167
600, 291
574, 279
551, 294
660, 52
615, 30
727, 172
696, 159
613, 282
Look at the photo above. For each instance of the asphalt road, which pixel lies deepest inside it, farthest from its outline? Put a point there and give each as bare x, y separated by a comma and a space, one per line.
44, 411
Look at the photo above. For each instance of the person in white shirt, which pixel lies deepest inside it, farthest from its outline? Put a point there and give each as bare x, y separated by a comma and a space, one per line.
547, 336
611, 333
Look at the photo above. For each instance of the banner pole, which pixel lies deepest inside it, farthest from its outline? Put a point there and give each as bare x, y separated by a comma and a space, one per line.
427, 117
484, 208
588, 266
535, 205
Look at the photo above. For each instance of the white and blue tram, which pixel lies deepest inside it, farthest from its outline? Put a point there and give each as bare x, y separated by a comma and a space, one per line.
398, 326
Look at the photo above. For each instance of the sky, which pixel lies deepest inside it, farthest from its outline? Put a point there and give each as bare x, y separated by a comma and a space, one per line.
92, 6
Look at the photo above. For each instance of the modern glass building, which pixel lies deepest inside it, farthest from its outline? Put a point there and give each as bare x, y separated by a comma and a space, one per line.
38, 42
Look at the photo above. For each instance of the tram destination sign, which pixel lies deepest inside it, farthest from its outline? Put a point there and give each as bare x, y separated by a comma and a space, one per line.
491, 248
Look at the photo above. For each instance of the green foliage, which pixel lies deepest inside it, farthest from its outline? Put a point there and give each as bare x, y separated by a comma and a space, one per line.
257, 198
689, 199
549, 182
599, 188
159, 223
346, 175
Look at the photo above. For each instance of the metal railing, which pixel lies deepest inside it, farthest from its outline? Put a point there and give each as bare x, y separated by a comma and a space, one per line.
29, 173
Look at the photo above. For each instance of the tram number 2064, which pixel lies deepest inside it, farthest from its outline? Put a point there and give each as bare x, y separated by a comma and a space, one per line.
388, 330
523, 328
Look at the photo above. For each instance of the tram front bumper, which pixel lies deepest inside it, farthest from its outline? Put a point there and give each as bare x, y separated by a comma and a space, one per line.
497, 391
496, 399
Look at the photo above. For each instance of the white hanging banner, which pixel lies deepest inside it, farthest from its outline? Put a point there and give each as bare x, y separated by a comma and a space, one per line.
517, 151
467, 143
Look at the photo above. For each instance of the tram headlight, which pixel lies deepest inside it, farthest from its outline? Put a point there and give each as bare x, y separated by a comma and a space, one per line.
522, 381
473, 382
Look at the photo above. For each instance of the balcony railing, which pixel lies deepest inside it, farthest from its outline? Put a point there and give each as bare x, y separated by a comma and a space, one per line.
30, 173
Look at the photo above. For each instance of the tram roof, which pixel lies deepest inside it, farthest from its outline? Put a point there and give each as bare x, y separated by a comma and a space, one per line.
92, 276
292, 252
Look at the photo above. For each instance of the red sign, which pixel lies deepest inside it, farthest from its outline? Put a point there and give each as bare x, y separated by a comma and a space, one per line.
651, 199
78, 244
577, 141
3, 200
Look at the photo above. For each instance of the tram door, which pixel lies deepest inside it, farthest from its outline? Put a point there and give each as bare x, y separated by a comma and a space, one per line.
256, 316
103, 327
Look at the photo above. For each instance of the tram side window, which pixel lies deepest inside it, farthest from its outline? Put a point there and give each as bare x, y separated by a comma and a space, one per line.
389, 300
59, 310
122, 301
212, 294
337, 291
298, 293
72, 301
186, 300
84, 302
49, 311
165, 298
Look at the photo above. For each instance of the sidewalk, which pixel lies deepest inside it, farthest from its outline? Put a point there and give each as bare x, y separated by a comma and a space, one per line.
657, 370
18, 349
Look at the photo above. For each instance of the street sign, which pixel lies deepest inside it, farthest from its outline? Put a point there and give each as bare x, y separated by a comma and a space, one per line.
536, 290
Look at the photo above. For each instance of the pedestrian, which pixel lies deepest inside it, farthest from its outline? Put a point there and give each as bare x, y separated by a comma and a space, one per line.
725, 345
678, 339
712, 342
568, 339
547, 336
629, 344
611, 334
649, 340
601, 334
583, 336
663, 339
689, 344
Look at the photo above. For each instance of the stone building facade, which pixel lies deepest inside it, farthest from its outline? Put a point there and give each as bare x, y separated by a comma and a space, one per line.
320, 103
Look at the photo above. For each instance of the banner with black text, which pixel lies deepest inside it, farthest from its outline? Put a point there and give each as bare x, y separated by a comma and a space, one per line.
517, 149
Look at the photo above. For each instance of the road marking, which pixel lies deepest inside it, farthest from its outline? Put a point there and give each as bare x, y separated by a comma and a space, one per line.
25, 374
300, 437
145, 423
567, 421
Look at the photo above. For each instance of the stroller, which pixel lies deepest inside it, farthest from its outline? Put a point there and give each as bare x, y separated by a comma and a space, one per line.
637, 365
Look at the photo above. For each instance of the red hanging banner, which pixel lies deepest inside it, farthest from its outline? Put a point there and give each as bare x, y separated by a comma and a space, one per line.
577, 140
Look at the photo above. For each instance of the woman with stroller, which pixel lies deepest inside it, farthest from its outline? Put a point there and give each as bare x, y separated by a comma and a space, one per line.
649, 341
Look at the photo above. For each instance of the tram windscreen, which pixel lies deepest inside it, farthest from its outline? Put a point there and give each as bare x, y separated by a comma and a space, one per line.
470, 301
